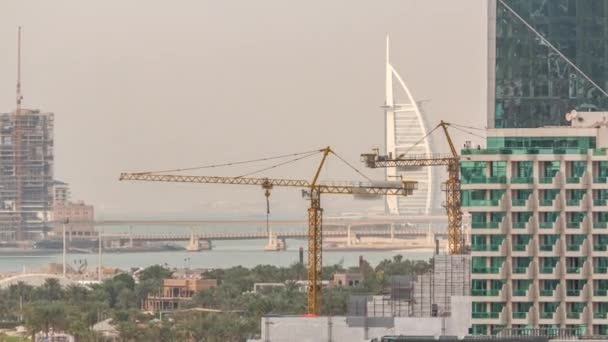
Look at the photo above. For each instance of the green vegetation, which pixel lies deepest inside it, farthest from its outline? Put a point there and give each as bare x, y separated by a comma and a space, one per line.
236, 310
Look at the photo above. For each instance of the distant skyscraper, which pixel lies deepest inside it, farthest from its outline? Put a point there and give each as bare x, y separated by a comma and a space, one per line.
404, 127
530, 84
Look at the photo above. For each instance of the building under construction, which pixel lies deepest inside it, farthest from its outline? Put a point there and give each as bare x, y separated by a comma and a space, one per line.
26, 173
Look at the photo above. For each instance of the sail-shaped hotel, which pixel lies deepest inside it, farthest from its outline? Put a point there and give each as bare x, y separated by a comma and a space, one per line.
404, 127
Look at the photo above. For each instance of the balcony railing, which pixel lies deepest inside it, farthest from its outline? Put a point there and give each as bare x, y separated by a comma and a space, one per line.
573, 180
599, 202
573, 293
546, 248
485, 292
600, 315
486, 270
520, 269
600, 269
519, 247
545, 180
519, 315
573, 270
573, 315
545, 203
599, 248
546, 225
599, 180
573, 248
546, 293
485, 315
547, 269
573, 225
485, 248
573, 202
600, 225
600, 292
518, 202
547, 315
522, 180
519, 292
519, 225
484, 225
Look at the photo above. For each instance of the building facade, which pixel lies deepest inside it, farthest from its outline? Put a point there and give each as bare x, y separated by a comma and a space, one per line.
405, 132
26, 173
78, 217
530, 80
61, 192
175, 291
538, 199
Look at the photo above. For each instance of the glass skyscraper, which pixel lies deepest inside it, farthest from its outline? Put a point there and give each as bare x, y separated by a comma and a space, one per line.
530, 84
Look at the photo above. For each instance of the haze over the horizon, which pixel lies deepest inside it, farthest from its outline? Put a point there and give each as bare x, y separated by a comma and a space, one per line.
147, 85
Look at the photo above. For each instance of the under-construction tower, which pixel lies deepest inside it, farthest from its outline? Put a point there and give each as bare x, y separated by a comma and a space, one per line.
26, 168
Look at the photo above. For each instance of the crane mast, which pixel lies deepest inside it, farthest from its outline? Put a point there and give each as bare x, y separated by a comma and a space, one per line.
451, 187
313, 189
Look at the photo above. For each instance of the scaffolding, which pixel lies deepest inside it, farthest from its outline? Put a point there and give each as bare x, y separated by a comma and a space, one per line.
449, 277
26, 173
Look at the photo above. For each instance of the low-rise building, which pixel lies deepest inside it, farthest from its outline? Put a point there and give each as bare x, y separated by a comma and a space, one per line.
175, 291
347, 279
77, 216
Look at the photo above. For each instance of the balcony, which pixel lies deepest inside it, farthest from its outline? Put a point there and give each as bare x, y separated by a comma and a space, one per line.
545, 203
573, 202
547, 269
520, 269
519, 315
522, 180
600, 292
599, 202
600, 225
519, 225
573, 180
486, 248
573, 293
600, 269
546, 225
573, 248
547, 293
600, 315
518, 202
545, 180
573, 270
573, 225
485, 293
573, 315
520, 247
484, 225
599, 180
547, 315
599, 248
485, 315
520, 292
486, 270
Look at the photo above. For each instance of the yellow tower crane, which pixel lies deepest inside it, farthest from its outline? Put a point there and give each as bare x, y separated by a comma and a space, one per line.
313, 190
451, 186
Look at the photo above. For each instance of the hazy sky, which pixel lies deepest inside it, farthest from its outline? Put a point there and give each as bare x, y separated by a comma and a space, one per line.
146, 85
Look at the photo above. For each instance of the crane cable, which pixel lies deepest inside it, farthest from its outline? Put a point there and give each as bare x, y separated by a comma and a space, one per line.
352, 167
310, 154
232, 163
417, 142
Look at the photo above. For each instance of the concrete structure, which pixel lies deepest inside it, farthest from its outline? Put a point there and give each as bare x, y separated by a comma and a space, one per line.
26, 173
545, 59
61, 192
77, 216
404, 127
346, 279
341, 328
538, 203
175, 291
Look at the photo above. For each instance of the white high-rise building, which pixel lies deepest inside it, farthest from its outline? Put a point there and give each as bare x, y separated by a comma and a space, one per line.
404, 128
